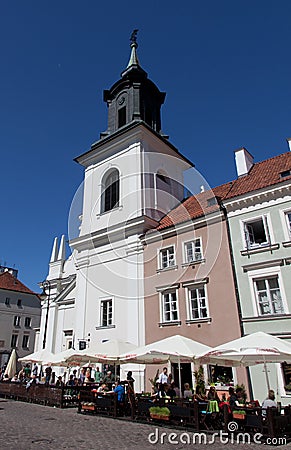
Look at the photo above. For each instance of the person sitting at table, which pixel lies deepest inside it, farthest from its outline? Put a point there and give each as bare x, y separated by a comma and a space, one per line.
269, 402
199, 396
102, 389
109, 379
170, 391
187, 391
232, 398
212, 394
240, 401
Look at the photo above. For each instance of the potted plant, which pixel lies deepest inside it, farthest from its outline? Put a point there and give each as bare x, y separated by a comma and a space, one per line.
160, 413
89, 406
288, 388
239, 414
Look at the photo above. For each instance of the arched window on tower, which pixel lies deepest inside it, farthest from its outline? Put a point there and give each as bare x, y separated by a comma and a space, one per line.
110, 190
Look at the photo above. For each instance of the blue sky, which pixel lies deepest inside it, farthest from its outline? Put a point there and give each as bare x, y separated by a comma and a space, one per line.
225, 66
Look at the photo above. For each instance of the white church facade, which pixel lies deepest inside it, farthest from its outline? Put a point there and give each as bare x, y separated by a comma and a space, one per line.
132, 177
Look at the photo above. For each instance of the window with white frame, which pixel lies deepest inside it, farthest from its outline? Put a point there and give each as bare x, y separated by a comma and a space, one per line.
16, 321
169, 304
193, 251
110, 190
197, 302
257, 232
14, 339
106, 313
268, 296
25, 341
167, 257
27, 322
288, 220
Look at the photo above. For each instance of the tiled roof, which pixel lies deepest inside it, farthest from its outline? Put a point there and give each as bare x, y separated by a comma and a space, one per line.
262, 175
195, 206
10, 283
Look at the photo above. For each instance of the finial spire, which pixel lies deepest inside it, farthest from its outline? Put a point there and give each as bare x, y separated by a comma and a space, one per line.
133, 36
54, 254
133, 60
62, 249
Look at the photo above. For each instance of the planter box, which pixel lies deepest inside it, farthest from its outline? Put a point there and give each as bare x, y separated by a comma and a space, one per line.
238, 416
88, 407
159, 417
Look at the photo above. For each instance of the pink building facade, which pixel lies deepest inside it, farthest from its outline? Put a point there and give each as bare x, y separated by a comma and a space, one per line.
189, 285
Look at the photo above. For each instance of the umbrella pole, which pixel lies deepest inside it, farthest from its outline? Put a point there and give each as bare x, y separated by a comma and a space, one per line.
266, 374
179, 370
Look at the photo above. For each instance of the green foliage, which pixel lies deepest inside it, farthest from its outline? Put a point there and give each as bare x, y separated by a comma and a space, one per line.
161, 411
154, 380
239, 411
199, 378
288, 387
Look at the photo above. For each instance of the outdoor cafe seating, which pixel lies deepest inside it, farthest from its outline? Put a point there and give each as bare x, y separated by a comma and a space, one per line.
188, 413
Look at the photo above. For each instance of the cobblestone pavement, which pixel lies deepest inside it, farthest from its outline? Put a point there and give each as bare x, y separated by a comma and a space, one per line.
26, 426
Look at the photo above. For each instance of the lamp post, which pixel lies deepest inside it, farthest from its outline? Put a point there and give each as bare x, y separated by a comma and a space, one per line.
46, 294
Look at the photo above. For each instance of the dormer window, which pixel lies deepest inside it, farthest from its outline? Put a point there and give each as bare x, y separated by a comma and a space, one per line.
110, 194
285, 173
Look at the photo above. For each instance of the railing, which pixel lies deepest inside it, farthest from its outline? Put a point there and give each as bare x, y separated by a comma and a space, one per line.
39, 393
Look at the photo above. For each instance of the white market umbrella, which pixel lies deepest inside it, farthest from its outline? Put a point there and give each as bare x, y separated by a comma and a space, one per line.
61, 359
255, 348
111, 350
176, 348
41, 357
11, 367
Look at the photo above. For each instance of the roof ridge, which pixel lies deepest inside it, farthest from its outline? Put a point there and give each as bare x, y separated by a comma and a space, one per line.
272, 157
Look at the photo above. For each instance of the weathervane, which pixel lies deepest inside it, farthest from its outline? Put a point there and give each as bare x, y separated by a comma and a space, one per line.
133, 37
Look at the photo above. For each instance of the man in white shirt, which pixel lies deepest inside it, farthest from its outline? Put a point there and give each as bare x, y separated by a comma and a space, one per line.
163, 378
269, 402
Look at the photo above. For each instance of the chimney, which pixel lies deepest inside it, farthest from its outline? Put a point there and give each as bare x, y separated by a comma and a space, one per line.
244, 161
289, 143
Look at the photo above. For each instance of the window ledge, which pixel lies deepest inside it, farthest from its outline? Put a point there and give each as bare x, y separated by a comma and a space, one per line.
261, 249
116, 208
170, 324
194, 263
104, 327
267, 317
165, 269
200, 320
286, 244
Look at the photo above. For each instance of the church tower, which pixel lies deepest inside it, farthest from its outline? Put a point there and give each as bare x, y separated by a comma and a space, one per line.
133, 97
133, 176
